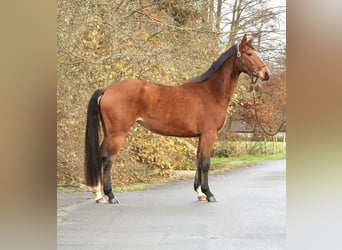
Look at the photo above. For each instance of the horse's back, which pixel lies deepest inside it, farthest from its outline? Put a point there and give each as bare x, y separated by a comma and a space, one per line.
123, 88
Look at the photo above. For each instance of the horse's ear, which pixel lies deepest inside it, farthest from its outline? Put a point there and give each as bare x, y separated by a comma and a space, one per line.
243, 41
251, 40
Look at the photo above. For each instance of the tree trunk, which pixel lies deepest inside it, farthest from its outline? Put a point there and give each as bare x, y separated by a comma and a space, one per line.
218, 15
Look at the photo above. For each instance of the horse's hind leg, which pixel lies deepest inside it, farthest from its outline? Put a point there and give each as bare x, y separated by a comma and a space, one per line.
110, 148
107, 182
98, 192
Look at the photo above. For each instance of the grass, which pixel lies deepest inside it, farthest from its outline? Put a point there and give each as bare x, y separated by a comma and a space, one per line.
248, 148
248, 158
223, 163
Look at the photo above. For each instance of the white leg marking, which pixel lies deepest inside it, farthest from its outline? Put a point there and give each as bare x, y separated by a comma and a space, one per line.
98, 193
200, 195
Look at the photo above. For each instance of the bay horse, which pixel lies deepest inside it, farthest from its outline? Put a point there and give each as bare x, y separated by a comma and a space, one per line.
196, 108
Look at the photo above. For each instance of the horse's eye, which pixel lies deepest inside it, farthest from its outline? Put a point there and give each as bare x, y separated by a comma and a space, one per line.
249, 54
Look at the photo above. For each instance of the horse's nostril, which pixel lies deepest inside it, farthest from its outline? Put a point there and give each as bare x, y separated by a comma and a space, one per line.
266, 76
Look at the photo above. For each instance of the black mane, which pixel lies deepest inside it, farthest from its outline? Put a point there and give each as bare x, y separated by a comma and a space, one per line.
216, 65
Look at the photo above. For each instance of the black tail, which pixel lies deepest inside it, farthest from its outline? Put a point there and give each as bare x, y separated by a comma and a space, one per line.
93, 161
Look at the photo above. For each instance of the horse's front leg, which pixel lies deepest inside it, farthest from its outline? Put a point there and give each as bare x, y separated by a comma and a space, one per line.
197, 184
205, 165
205, 147
198, 177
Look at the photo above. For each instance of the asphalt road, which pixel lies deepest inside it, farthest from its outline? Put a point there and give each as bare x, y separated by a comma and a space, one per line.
250, 214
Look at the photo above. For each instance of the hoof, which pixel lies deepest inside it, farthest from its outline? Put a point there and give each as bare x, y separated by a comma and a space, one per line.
201, 198
113, 201
101, 200
211, 199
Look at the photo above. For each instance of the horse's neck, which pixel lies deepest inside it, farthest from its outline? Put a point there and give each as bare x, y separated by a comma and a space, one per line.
224, 82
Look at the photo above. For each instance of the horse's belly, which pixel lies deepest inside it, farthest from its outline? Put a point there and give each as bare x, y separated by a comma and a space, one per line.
169, 128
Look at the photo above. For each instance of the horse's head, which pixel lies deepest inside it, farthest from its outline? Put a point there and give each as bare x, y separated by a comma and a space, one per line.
250, 62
